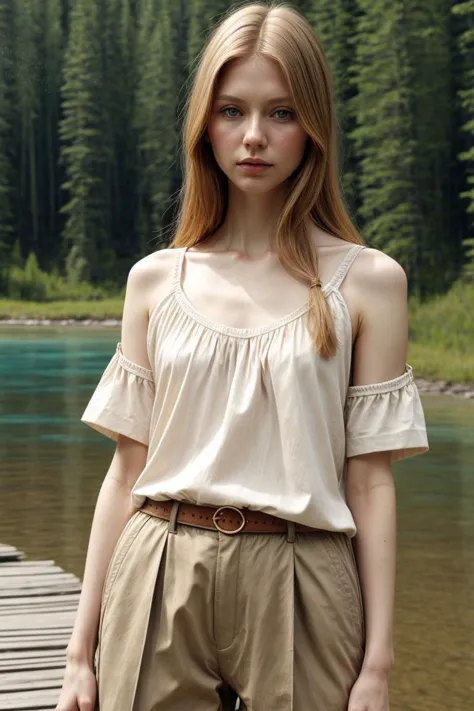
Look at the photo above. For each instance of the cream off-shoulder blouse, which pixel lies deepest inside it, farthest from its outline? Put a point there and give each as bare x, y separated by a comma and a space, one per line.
253, 417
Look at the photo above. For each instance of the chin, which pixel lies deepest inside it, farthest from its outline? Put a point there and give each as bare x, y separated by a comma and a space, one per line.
255, 183
255, 187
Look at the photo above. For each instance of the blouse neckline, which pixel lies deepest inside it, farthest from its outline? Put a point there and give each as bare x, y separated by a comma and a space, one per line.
274, 325
177, 292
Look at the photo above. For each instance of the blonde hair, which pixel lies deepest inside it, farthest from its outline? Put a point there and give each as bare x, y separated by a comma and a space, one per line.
279, 33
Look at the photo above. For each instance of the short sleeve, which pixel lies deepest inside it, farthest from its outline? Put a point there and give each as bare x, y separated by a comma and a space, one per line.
384, 417
122, 401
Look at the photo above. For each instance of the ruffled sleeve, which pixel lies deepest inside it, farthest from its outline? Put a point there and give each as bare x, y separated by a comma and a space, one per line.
122, 401
386, 416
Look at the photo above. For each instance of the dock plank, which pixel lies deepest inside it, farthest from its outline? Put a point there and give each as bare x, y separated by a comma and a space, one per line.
25, 700
34, 581
15, 569
46, 600
37, 609
38, 605
26, 681
32, 665
64, 620
5, 656
64, 589
9, 553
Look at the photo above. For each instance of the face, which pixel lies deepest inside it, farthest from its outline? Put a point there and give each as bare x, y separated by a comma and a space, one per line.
253, 117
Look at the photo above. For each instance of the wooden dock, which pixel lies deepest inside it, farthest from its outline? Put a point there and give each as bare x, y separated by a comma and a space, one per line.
38, 603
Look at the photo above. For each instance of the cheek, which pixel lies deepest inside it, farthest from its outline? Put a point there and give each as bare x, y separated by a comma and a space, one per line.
292, 142
220, 135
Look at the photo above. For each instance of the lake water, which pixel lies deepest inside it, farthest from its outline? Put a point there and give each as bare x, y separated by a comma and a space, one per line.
52, 465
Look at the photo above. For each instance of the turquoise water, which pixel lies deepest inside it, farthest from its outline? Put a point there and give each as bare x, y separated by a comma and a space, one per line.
52, 466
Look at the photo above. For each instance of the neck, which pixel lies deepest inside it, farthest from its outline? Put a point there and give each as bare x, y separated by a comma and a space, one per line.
250, 222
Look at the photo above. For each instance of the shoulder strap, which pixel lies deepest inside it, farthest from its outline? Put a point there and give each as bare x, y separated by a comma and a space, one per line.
178, 267
344, 267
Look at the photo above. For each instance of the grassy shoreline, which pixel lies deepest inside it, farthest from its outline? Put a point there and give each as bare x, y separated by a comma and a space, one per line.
441, 331
58, 310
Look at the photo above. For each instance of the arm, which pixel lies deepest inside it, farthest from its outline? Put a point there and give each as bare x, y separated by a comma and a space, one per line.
113, 508
379, 354
371, 498
112, 511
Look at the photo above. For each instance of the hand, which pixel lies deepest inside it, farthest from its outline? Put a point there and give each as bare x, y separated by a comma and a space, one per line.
370, 692
79, 689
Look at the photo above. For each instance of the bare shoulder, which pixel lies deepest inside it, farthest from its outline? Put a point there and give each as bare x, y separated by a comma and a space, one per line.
155, 266
374, 269
372, 273
377, 284
375, 292
378, 290
147, 279
151, 277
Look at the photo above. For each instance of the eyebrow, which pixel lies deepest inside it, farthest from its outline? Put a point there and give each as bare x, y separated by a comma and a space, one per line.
275, 100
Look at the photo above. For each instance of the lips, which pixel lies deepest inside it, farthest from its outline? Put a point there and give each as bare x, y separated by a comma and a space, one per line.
252, 162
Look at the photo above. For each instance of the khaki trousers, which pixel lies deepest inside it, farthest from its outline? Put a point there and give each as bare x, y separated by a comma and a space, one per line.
192, 618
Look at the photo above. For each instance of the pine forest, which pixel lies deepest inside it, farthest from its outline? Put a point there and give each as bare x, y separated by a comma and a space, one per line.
91, 109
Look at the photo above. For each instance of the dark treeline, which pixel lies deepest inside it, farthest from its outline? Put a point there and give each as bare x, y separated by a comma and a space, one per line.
91, 103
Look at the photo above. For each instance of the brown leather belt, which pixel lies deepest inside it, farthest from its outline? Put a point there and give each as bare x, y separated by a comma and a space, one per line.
226, 519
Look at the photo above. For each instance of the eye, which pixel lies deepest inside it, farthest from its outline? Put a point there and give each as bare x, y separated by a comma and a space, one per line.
229, 108
289, 113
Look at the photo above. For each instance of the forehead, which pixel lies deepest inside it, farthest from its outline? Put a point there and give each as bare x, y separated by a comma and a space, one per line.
255, 75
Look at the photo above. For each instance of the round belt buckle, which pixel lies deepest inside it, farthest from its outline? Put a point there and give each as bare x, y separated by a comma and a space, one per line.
217, 514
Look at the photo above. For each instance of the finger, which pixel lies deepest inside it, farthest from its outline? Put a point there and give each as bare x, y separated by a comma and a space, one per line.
67, 706
86, 703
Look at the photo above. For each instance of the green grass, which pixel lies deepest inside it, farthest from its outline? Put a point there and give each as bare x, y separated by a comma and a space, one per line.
445, 321
108, 308
442, 335
441, 330
438, 363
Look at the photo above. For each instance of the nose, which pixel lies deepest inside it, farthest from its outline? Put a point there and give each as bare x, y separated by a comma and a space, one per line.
254, 133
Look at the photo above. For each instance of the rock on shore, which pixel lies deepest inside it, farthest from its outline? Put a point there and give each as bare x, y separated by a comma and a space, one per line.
445, 387
59, 322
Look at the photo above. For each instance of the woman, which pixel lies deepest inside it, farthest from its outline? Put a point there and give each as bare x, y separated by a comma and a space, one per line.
258, 397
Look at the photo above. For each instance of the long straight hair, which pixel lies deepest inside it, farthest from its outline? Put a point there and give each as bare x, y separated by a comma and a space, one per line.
279, 33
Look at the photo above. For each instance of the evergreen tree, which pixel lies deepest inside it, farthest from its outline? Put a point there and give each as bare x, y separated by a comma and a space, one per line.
179, 18
465, 10
334, 22
118, 38
6, 117
26, 121
203, 16
425, 28
50, 67
83, 144
384, 136
156, 121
